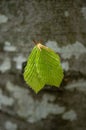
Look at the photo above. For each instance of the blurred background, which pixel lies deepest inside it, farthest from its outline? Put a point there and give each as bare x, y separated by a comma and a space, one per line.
60, 25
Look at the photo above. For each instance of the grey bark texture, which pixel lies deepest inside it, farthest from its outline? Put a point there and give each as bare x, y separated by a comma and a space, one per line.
60, 25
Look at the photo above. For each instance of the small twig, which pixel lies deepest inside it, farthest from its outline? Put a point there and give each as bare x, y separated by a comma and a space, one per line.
35, 42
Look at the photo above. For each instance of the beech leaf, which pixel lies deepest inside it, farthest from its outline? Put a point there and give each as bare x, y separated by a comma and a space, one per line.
43, 68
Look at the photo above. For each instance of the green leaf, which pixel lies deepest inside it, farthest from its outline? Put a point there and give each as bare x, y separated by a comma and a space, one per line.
43, 67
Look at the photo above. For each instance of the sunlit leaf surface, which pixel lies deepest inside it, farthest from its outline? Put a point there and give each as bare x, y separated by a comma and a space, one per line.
43, 67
